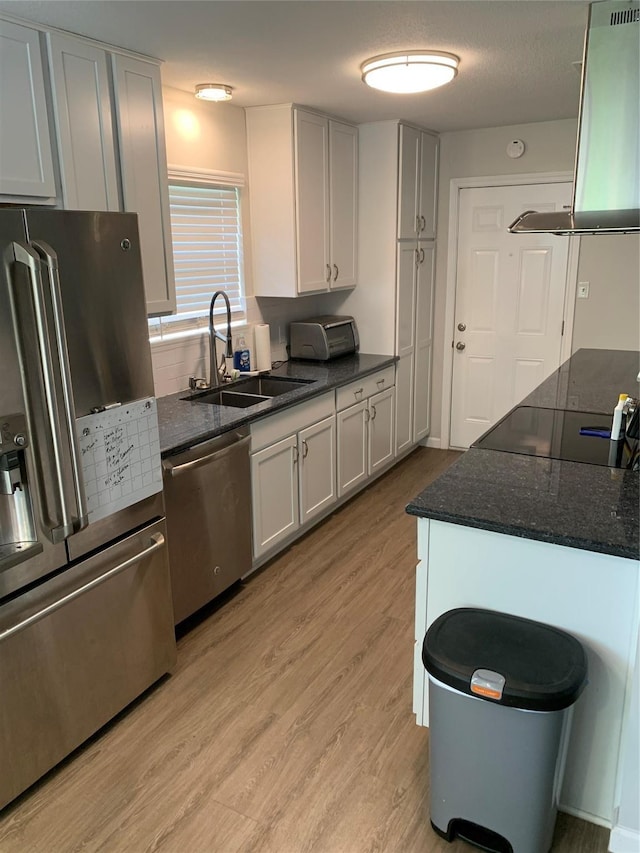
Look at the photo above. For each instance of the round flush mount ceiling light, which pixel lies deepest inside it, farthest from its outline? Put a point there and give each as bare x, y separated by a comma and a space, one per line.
407, 72
214, 92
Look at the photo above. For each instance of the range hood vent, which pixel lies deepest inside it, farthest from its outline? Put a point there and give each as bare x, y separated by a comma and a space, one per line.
606, 189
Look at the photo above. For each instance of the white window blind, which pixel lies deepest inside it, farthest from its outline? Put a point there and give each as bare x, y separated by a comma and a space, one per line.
206, 229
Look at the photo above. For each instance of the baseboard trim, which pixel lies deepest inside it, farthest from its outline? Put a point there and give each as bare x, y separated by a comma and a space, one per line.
624, 840
585, 815
433, 442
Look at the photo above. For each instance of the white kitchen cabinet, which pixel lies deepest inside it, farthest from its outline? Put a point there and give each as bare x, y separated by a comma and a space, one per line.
366, 441
418, 164
111, 148
293, 470
353, 455
423, 340
143, 164
317, 468
26, 161
394, 304
343, 200
303, 170
84, 123
274, 491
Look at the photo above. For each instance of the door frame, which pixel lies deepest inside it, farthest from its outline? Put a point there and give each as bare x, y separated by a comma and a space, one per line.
455, 186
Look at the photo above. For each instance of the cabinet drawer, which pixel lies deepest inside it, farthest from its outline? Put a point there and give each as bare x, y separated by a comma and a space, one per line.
275, 427
359, 390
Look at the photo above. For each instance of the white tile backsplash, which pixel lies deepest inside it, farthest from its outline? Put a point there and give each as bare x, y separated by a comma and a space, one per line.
174, 361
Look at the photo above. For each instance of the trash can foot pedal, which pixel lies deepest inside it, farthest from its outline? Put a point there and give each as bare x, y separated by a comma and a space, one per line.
479, 836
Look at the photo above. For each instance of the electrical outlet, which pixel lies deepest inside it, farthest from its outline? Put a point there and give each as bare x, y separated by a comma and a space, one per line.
583, 290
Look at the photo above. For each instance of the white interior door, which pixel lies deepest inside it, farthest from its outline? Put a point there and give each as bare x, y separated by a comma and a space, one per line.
510, 293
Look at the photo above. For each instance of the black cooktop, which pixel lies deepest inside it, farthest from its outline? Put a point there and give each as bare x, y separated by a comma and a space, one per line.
556, 434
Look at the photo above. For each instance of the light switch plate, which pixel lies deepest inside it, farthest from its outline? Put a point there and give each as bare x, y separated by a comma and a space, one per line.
583, 290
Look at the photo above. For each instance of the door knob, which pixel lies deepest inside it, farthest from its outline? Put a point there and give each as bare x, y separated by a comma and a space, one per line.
461, 327
460, 346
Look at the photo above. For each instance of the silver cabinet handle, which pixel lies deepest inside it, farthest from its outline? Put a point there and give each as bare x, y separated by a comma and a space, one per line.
460, 346
156, 542
380, 383
373, 409
305, 448
423, 223
358, 394
296, 454
417, 251
60, 522
51, 259
461, 327
328, 275
367, 416
417, 224
421, 256
335, 272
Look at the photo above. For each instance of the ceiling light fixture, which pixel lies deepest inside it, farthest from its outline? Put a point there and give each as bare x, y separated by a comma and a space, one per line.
407, 72
214, 92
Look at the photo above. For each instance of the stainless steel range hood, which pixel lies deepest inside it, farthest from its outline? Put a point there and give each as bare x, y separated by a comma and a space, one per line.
606, 190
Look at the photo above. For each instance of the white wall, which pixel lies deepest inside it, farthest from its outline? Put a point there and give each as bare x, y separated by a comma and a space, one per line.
610, 317
609, 263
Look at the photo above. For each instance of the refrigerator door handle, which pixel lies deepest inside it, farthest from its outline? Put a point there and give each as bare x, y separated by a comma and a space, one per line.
51, 259
60, 523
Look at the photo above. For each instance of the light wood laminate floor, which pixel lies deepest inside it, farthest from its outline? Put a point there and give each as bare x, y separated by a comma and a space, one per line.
287, 724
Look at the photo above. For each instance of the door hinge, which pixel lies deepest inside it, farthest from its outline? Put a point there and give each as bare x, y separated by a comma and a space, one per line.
562, 329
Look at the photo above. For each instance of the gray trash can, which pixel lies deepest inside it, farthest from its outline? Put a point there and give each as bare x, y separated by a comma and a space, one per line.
501, 691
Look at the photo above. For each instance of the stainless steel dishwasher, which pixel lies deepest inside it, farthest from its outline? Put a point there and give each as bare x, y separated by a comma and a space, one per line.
207, 493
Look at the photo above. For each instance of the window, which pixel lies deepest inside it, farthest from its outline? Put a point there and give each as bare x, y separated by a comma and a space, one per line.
206, 230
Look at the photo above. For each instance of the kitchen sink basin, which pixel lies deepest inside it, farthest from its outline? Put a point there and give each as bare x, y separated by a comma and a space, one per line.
268, 386
248, 392
235, 399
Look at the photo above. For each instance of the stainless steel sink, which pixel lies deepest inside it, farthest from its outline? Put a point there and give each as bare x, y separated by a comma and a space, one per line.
267, 386
235, 399
249, 392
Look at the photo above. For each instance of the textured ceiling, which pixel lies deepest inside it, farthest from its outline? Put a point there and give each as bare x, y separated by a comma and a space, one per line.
517, 57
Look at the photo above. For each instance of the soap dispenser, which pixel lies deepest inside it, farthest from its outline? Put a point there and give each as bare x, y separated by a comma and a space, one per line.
241, 357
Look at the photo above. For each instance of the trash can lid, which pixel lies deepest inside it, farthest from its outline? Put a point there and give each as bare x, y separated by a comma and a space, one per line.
522, 663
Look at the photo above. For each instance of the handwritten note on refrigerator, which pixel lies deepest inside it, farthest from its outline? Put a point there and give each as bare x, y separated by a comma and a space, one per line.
120, 451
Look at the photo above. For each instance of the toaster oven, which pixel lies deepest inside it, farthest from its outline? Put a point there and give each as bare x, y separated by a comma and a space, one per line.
323, 338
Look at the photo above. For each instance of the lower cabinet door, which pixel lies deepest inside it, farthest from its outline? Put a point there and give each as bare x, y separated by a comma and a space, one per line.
317, 468
381, 432
352, 447
274, 487
404, 402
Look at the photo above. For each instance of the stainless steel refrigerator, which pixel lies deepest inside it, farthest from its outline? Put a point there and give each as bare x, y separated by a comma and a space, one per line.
86, 621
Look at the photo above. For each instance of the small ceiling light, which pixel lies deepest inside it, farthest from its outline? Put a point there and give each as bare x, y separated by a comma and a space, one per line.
407, 72
214, 92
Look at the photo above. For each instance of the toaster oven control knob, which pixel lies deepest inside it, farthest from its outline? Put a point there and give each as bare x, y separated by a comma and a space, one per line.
20, 439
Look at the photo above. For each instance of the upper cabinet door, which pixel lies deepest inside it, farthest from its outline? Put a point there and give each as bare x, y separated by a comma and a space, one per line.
26, 164
143, 161
427, 189
408, 223
84, 125
343, 194
311, 133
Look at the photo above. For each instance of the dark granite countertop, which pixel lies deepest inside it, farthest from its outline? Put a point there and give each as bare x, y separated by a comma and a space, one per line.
578, 505
183, 423
590, 381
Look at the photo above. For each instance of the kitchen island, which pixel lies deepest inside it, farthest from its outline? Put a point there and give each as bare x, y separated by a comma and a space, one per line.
554, 541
